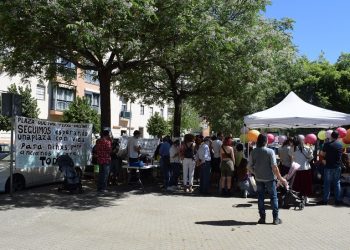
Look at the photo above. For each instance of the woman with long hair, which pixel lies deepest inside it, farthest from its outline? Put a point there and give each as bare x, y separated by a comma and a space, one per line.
227, 165
302, 155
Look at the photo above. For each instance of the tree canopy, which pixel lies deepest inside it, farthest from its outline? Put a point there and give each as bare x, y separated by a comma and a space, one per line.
197, 47
106, 36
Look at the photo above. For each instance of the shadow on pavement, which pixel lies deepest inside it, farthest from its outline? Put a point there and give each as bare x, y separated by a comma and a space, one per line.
48, 196
226, 223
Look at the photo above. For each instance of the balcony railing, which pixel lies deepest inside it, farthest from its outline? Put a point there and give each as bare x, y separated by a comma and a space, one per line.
125, 114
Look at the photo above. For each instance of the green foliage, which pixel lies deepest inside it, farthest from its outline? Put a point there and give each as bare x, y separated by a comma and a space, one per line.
324, 84
80, 111
199, 47
29, 105
157, 125
106, 36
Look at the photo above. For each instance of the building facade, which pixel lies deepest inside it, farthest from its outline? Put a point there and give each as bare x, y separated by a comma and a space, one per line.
55, 96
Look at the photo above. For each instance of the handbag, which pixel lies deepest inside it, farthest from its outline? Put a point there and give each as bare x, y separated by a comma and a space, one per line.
252, 181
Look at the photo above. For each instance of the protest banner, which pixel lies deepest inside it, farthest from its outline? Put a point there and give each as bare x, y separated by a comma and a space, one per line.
40, 142
148, 146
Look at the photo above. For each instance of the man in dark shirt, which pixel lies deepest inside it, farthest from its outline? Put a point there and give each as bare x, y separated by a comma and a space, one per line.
332, 152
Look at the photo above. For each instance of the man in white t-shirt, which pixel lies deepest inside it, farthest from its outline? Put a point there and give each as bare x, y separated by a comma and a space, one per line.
216, 146
134, 147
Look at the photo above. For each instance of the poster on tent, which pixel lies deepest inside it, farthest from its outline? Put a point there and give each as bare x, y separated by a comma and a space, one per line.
148, 146
40, 142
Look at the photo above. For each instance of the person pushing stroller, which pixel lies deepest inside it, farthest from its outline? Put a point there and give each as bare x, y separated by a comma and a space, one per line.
262, 162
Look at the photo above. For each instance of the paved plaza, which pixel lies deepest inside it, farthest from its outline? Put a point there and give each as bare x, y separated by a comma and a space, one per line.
41, 218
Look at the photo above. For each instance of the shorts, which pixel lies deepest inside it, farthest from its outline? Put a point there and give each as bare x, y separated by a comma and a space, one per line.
226, 168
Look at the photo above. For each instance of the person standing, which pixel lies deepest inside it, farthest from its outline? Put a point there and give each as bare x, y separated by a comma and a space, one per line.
103, 154
134, 147
204, 163
188, 153
302, 155
175, 164
285, 157
262, 162
332, 152
164, 152
216, 160
227, 166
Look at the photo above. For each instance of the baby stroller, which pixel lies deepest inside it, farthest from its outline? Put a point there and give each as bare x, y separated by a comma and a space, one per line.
287, 197
72, 181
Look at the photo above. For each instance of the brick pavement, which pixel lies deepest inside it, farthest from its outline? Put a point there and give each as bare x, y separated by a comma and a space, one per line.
40, 218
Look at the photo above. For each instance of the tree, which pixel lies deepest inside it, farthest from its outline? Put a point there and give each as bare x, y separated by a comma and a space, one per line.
190, 119
157, 125
29, 105
261, 68
196, 44
106, 36
80, 111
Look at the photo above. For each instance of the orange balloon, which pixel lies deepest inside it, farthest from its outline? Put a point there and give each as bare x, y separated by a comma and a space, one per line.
346, 140
253, 135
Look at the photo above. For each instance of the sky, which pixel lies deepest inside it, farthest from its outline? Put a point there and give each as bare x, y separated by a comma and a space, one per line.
320, 25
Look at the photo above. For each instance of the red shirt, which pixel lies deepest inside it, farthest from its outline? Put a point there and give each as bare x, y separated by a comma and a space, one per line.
103, 151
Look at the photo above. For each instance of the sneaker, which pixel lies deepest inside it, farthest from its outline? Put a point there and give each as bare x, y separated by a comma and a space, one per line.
261, 221
277, 221
190, 190
245, 194
187, 190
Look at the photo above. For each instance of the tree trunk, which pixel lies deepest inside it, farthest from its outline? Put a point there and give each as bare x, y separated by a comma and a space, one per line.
177, 116
105, 94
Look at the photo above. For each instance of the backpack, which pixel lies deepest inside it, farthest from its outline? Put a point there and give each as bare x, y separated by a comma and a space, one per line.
188, 153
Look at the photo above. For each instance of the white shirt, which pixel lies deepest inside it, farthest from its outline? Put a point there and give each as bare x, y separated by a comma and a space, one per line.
216, 145
132, 143
302, 158
173, 157
203, 153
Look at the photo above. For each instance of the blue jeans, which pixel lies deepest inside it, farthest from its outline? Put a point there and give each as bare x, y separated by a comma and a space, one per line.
103, 176
331, 176
165, 168
204, 184
174, 173
271, 189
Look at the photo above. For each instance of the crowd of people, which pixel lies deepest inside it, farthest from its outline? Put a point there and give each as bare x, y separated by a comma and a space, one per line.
222, 166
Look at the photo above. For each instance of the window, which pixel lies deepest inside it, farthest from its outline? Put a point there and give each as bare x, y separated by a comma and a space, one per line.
162, 113
90, 76
151, 111
66, 64
62, 97
142, 110
40, 92
124, 105
93, 99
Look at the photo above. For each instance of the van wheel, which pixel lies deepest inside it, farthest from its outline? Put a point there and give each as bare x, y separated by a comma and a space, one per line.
18, 183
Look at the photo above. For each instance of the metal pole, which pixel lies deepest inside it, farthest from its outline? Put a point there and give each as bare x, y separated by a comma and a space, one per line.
130, 121
11, 148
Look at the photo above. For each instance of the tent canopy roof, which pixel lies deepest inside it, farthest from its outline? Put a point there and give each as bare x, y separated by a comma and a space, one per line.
293, 112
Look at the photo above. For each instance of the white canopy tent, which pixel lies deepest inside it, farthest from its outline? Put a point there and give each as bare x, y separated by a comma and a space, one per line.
293, 112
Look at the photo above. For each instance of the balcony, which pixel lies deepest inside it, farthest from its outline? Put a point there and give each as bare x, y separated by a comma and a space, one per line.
125, 114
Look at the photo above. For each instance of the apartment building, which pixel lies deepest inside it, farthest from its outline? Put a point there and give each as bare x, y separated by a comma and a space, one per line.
55, 96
